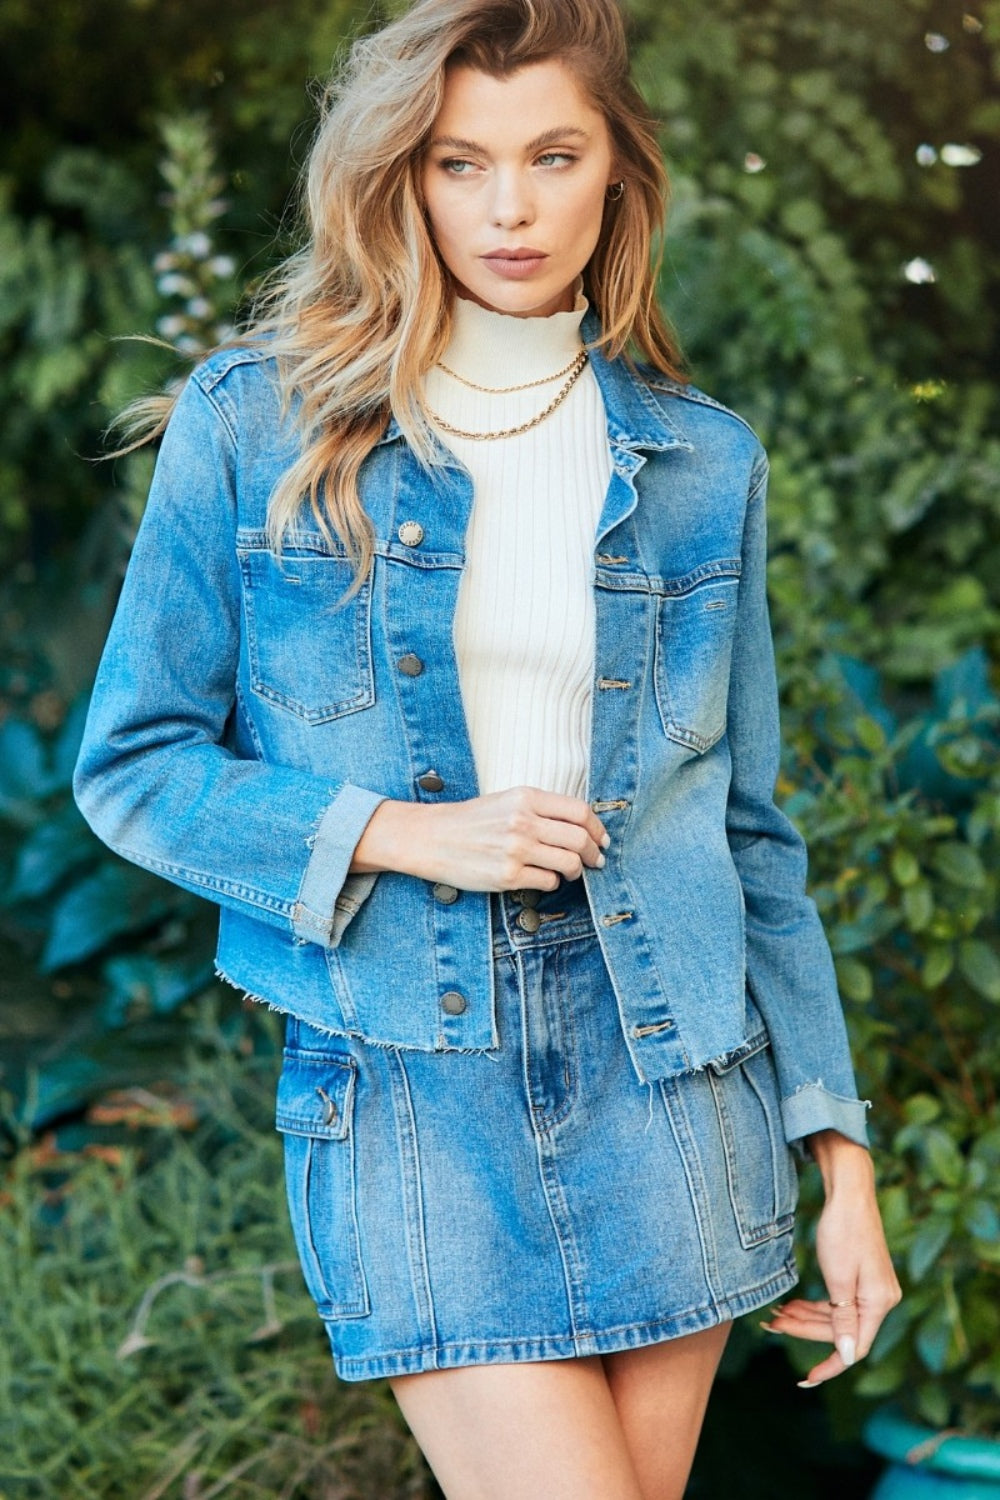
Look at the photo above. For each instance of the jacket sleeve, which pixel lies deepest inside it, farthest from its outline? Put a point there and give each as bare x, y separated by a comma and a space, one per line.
154, 778
790, 969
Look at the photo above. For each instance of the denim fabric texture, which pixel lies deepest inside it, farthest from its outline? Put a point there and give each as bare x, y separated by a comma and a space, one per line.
534, 1201
245, 724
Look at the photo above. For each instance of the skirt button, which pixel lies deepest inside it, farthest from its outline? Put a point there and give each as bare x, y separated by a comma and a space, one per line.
529, 920
453, 1003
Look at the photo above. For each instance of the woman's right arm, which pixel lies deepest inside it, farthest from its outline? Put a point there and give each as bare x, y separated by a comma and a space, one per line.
154, 778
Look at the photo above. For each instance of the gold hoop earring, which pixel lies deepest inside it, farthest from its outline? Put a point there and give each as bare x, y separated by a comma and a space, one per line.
615, 191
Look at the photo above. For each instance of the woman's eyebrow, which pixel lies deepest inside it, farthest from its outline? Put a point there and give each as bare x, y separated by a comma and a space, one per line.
558, 134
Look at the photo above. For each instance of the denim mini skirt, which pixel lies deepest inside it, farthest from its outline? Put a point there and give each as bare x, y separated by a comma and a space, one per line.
534, 1201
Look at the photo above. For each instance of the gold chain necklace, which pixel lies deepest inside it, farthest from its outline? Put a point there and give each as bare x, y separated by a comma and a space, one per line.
509, 390
576, 368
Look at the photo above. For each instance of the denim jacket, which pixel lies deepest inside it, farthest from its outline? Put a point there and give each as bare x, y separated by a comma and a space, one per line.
243, 728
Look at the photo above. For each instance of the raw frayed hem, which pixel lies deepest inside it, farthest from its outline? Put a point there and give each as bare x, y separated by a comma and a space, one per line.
344, 1033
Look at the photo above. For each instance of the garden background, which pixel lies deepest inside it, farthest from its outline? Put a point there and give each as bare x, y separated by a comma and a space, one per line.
831, 268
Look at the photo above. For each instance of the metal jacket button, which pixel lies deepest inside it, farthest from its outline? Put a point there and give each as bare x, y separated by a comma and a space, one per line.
526, 897
453, 1003
430, 781
410, 664
411, 533
445, 893
529, 920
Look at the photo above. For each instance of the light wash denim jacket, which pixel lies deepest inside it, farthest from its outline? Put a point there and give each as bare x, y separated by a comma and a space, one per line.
242, 731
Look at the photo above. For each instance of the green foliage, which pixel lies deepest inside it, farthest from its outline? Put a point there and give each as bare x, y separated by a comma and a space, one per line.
829, 267
157, 1333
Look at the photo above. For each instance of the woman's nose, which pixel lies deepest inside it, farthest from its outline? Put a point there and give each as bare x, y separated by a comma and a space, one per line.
512, 202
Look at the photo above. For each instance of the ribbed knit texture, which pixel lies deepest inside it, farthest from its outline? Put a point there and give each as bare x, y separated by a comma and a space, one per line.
524, 622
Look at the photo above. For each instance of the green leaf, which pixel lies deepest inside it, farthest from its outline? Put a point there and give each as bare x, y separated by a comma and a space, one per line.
980, 965
855, 980
871, 735
943, 1157
918, 906
960, 865
982, 1220
928, 1242
921, 1109
937, 966
905, 867
116, 899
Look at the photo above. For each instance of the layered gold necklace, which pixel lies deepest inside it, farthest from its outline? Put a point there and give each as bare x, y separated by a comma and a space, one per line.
573, 371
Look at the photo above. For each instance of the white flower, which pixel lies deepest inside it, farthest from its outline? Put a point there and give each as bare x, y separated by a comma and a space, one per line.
197, 244
960, 156
753, 163
172, 327
175, 285
222, 266
926, 155
919, 271
199, 307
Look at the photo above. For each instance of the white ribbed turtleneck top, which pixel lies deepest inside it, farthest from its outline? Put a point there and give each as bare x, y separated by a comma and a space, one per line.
524, 619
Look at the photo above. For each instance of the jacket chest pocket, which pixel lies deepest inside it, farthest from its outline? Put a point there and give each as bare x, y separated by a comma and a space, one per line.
309, 652
692, 655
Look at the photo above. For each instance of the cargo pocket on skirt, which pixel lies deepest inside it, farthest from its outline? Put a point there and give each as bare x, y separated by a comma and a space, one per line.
760, 1167
315, 1108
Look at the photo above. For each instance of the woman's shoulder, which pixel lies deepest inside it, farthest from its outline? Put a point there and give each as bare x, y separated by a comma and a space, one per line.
241, 382
698, 405
246, 365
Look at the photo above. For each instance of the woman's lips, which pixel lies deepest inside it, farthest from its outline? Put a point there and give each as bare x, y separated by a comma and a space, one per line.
515, 265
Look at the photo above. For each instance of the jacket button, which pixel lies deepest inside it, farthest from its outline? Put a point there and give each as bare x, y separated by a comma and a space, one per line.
411, 533
526, 897
529, 920
410, 664
430, 781
445, 893
453, 1003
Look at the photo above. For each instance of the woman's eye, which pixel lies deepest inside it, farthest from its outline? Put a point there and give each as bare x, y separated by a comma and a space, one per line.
456, 166
555, 158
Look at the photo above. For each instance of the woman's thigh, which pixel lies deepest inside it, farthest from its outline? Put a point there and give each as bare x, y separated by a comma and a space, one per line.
660, 1392
521, 1430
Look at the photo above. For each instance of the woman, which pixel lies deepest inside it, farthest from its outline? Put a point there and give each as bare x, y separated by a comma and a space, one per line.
443, 665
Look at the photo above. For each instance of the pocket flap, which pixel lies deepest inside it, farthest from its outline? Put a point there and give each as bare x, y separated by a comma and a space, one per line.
316, 1095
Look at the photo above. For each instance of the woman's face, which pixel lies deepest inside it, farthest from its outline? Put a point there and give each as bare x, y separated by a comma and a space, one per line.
514, 180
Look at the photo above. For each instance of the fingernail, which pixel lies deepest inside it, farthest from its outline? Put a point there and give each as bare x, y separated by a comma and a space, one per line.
606, 840
807, 1385
767, 1328
601, 861
847, 1350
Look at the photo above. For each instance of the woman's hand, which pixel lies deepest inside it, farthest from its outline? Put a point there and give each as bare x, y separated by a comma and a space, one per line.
853, 1258
520, 837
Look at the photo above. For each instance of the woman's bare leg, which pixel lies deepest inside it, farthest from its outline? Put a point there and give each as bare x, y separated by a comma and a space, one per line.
661, 1392
521, 1431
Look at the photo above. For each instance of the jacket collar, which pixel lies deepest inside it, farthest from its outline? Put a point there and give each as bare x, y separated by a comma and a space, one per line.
636, 419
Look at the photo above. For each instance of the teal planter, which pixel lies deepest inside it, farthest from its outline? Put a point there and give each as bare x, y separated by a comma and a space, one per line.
957, 1468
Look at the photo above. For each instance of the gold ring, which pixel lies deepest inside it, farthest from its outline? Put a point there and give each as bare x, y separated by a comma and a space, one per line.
849, 1303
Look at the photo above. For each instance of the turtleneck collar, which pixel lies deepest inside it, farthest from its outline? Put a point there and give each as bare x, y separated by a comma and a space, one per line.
494, 348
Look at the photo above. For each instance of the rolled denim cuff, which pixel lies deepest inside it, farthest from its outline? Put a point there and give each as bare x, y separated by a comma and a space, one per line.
329, 897
813, 1107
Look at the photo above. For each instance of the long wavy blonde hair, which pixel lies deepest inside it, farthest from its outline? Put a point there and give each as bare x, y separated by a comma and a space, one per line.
357, 316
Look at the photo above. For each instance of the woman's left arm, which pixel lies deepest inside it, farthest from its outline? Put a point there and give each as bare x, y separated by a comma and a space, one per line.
789, 966
791, 974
